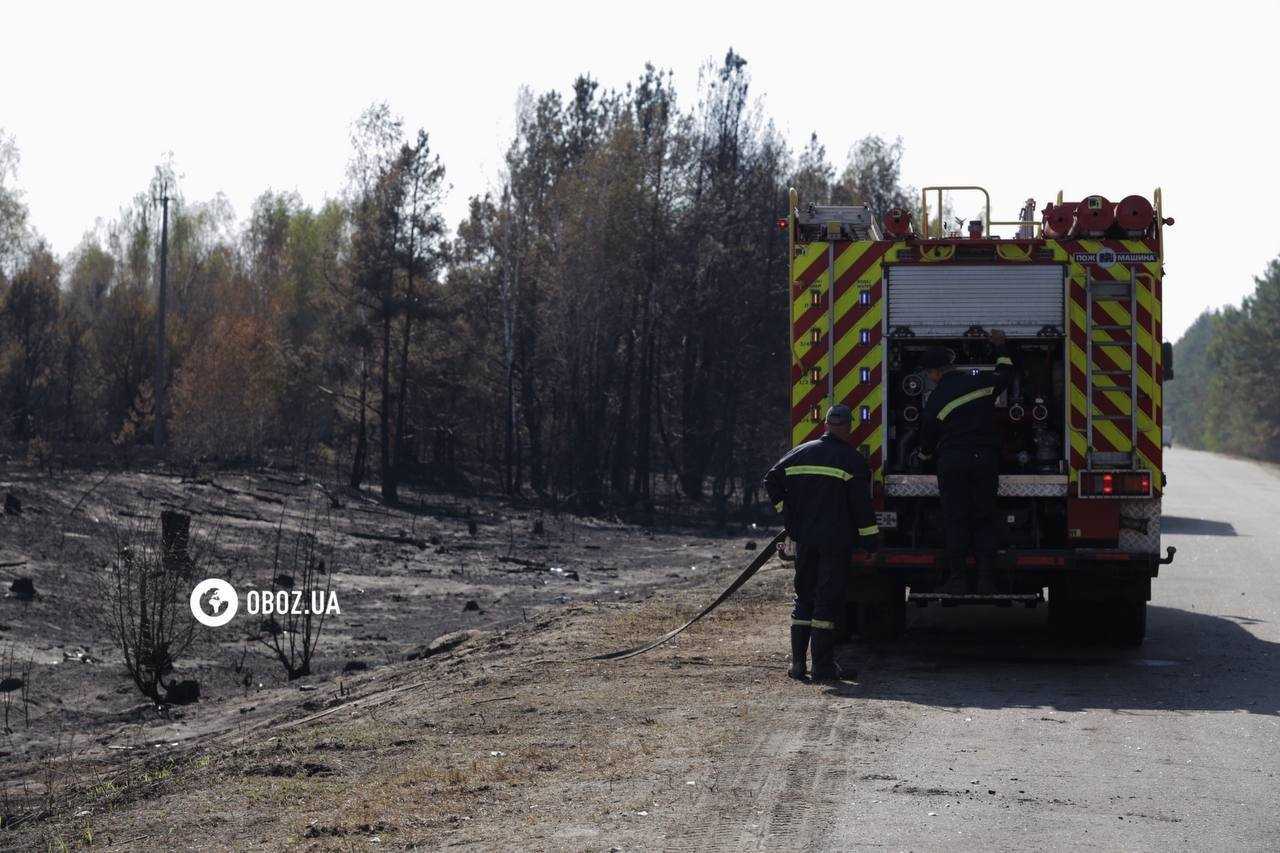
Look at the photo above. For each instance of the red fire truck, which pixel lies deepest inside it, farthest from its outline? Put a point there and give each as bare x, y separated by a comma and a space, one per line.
1078, 291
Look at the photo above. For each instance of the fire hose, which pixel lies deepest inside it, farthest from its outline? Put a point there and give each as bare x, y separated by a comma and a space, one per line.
763, 557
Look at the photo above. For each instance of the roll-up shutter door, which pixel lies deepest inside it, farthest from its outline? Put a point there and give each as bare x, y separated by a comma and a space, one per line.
946, 300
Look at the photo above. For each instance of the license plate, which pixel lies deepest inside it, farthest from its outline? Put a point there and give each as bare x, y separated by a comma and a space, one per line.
887, 520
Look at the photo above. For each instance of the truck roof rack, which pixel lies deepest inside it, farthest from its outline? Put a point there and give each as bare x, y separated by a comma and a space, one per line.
838, 222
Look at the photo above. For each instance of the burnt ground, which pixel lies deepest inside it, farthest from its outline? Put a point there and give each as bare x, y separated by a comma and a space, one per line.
396, 597
978, 730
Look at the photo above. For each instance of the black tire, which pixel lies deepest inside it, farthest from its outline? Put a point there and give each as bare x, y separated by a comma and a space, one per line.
847, 628
1128, 623
1065, 617
884, 618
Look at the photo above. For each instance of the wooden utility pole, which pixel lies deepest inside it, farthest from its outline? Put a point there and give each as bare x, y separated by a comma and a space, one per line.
161, 380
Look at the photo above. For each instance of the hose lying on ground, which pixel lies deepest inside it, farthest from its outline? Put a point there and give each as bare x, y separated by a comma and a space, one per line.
763, 557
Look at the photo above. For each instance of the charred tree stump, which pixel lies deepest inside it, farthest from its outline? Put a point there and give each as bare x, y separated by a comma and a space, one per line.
175, 539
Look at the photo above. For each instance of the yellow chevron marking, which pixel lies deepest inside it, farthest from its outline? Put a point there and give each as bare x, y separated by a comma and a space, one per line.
1146, 342
1145, 462
1117, 439
845, 384
1121, 317
1121, 402
1117, 398
1118, 312
1113, 271
845, 302
802, 388
1121, 357
1146, 288
800, 432
1077, 399
850, 254
1079, 359
1076, 352
869, 320
801, 304
1152, 267
873, 447
1077, 442
872, 399
1078, 445
810, 253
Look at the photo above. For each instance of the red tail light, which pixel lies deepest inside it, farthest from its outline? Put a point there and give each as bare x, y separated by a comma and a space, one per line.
1115, 484
782, 224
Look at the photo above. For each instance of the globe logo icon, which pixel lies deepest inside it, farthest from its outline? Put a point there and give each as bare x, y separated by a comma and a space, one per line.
214, 602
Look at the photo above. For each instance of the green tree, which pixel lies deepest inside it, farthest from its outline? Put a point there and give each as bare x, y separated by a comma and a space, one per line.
873, 177
29, 343
420, 255
91, 272
1185, 397
1244, 402
814, 175
13, 212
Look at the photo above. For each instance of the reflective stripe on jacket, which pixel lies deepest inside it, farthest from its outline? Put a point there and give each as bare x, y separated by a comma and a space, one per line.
959, 414
823, 489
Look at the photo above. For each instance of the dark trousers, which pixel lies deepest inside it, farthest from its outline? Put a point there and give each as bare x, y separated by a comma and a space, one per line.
821, 575
968, 480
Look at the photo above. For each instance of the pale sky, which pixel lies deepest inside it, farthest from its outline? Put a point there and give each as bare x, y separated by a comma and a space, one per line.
1022, 98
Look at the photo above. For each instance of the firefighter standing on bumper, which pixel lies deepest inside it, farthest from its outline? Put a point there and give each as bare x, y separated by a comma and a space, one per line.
958, 428
823, 490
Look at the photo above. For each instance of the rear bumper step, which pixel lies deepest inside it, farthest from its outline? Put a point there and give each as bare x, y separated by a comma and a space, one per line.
911, 561
976, 597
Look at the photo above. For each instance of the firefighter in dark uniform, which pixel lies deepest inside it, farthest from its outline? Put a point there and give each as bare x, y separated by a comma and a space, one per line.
823, 490
958, 429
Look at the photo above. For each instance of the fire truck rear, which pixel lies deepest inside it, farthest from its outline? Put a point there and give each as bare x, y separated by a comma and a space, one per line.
1078, 292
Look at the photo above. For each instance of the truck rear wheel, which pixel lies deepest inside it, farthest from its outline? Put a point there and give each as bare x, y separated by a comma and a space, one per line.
883, 617
1128, 622
848, 628
1066, 616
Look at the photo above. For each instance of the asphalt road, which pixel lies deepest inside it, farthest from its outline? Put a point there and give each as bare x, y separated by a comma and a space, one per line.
978, 730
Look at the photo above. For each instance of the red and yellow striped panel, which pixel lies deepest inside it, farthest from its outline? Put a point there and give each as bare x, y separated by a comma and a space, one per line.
1111, 394
856, 270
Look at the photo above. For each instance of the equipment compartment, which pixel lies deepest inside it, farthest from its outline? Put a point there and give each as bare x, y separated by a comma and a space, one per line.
1030, 418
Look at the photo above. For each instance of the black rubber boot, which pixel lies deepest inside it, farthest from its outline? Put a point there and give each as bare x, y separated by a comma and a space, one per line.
987, 575
825, 667
799, 648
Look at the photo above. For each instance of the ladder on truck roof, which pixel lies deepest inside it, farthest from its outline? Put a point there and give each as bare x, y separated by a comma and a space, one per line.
1111, 291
